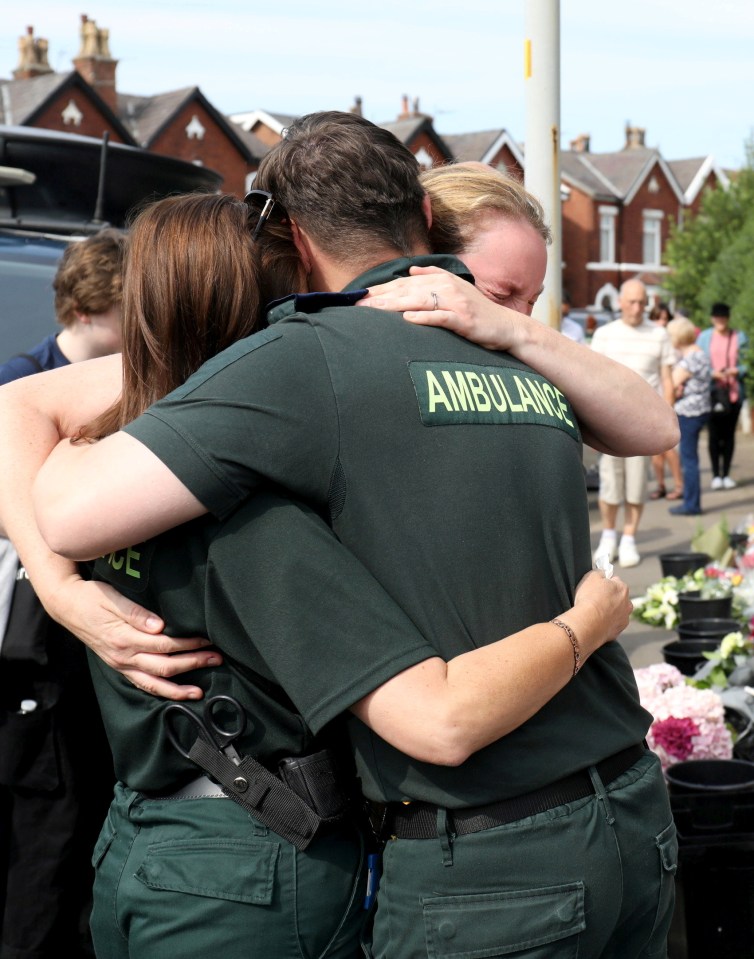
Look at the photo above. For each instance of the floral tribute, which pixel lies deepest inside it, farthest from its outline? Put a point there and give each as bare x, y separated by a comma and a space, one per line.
659, 605
688, 723
735, 650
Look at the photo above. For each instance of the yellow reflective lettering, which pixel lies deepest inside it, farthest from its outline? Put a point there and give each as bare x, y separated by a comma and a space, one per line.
459, 391
526, 399
550, 392
436, 393
563, 404
537, 391
499, 403
513, 407
131, 554
483, 404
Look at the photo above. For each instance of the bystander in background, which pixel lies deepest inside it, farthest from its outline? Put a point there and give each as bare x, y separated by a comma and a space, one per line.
691, 382
646, 349
661, 315
56, 775
726, 350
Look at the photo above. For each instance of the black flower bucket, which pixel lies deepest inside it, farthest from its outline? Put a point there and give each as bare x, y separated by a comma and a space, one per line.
694, 606
678, 564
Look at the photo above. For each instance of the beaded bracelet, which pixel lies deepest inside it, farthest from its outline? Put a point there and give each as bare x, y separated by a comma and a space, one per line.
574, 642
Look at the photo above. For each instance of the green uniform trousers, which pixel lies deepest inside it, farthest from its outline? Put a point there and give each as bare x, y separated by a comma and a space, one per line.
591, 878
200, 878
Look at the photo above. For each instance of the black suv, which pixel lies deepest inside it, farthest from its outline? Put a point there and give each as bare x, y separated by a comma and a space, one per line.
56, 188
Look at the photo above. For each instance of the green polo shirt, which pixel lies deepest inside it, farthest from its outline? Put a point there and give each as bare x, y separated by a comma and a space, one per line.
454, 474
280, 597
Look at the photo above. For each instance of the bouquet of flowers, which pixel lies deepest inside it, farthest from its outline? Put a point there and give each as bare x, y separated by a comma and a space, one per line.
659, 605
688, 723
734, 651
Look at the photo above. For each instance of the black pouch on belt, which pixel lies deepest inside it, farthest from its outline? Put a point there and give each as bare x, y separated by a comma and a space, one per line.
315, 779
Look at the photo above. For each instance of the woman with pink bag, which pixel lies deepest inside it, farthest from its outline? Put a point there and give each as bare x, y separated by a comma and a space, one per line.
725, 348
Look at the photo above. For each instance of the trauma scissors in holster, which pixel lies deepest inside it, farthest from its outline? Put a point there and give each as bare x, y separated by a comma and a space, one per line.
243, 779
209, 726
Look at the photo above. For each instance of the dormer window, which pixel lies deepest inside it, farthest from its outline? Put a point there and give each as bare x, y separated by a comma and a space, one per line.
194, 129
72, 116
424, 159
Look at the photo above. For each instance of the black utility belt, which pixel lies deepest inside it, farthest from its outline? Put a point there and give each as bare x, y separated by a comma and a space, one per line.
305, 796
200, 788
418, 820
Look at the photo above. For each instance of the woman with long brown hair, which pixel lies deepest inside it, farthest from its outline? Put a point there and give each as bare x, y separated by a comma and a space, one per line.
192, 288
179, 872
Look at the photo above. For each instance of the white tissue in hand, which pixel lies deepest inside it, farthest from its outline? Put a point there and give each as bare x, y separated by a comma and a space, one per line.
603, 564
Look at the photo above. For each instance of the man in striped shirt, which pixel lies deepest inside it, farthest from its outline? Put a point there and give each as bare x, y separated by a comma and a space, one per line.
646, 349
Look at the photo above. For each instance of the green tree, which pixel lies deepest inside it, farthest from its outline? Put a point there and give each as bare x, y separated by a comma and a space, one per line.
712, 254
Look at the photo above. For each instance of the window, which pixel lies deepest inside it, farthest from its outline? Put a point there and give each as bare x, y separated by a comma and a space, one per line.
608, 215
652, 237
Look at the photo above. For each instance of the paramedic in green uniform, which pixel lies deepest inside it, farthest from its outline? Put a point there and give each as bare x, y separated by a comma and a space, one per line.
177, 871
181, 870
455, 476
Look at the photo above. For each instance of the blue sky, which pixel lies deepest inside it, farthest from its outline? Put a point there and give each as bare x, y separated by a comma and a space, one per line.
683, 69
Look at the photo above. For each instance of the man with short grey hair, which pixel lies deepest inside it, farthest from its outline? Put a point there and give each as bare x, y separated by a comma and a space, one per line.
646, 349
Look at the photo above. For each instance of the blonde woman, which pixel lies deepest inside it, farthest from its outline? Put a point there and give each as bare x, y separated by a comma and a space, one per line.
691, 380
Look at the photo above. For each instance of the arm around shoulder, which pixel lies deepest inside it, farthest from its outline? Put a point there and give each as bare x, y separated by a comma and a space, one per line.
92, 498
442, 713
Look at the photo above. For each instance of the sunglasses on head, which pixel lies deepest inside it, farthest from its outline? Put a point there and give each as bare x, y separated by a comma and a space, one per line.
261, 205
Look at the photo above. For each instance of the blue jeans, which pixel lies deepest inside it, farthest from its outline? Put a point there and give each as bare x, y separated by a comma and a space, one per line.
691, 427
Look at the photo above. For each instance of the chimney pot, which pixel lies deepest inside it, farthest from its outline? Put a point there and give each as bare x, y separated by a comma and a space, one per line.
581, 144
32, 56
94, 61
634, 137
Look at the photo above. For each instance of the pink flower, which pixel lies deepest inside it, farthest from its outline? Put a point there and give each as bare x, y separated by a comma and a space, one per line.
676, 736
689, 723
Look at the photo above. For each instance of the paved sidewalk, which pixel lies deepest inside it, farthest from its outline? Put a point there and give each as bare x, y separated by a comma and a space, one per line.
659, 532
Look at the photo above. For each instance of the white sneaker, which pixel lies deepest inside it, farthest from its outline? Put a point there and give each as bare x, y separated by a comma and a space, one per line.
729, 483
628, 555
717, 483
607, 548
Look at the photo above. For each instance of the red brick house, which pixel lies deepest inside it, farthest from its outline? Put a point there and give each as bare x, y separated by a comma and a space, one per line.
38, 97
496, 147
416, 131
617, 215
412, 127
181, 123
695, 176
617, 207
266, 127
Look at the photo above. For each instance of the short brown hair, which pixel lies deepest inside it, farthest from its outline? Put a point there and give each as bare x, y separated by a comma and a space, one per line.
190, 289
462, 197
89, 277
350, 184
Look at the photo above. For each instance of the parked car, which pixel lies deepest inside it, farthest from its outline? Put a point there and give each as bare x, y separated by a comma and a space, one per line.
28, 262
589, 320
57, 188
